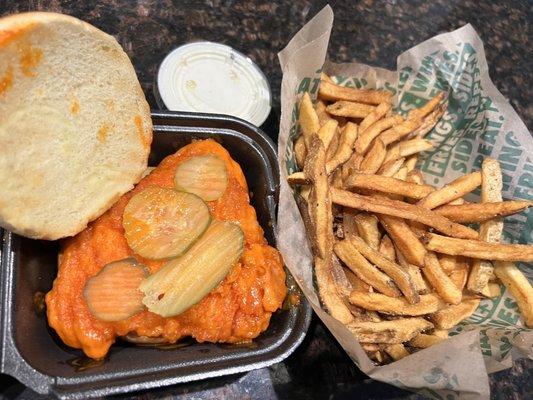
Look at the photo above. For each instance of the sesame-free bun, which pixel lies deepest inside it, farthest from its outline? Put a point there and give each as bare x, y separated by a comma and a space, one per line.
75, 127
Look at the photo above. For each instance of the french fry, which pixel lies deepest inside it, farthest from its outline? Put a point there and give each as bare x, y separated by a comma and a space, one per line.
336, 179
323, 116
386, 248
440, 281
477, 248
414, 272
341, 281
352, 165
429, 122
388, 185
358, 284
308, 118
489, 231
330, 91
423, 341
374, 158
451, 315
328, 293
372, 347
304, 193
456, 268
349, 226
404, 239
300, 151
458, 188
333, 144
494, 289
407, 148
398, 275
401, 175
364, 270
390, 332
399, 131
411, 161
379, 112
345, 148
390, 168
457, 202
320, 107
302, 200
367, 226
298, 179
321, 225
448, 263
315, 172
460, 275
428, 304
442, 333
396, 351
415, 176
326, 78
349, 109
519, 286
481, 212
427, 108
401, 209
367, 135
378, 356
327, 132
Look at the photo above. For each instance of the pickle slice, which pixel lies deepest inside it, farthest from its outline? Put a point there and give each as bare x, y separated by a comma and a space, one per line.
205, 176
185, 281
163, 223
113, 294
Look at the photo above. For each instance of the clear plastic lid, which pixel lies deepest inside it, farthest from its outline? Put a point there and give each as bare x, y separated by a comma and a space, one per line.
214, 78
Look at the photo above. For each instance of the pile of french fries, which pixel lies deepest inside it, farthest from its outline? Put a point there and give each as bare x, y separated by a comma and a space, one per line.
393, 259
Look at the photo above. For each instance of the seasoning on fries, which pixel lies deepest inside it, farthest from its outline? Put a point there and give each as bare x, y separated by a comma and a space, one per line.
398, 255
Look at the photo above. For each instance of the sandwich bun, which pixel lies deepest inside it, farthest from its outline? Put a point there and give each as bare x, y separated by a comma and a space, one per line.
75, 127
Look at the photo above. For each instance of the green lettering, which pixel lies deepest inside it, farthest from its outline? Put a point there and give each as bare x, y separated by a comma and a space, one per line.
350, 84
478, 161
511, 318
340, 79
304, 85
295, 112
316, 82
507, 167
526, 179
485, 344
390, 88
484, 149
506, 179
525, 186
413, 99
511, 140
510, 303
459, 166
464, 147
510, 155
490, 136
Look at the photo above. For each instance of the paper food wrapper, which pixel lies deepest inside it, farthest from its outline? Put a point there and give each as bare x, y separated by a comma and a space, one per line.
479, 123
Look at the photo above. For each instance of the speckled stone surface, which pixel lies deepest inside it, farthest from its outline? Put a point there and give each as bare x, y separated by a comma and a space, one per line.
374, 32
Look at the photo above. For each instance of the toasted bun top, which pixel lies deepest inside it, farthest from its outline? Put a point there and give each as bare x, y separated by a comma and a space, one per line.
75, 127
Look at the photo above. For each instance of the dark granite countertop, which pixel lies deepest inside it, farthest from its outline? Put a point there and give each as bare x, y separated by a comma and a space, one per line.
375, 32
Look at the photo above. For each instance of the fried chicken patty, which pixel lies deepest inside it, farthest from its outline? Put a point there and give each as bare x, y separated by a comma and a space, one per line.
237, 310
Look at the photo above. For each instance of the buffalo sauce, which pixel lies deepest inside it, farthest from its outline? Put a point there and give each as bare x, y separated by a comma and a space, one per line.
237, 310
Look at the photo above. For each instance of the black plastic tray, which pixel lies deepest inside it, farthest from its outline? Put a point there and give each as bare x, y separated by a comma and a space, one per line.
32, 353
